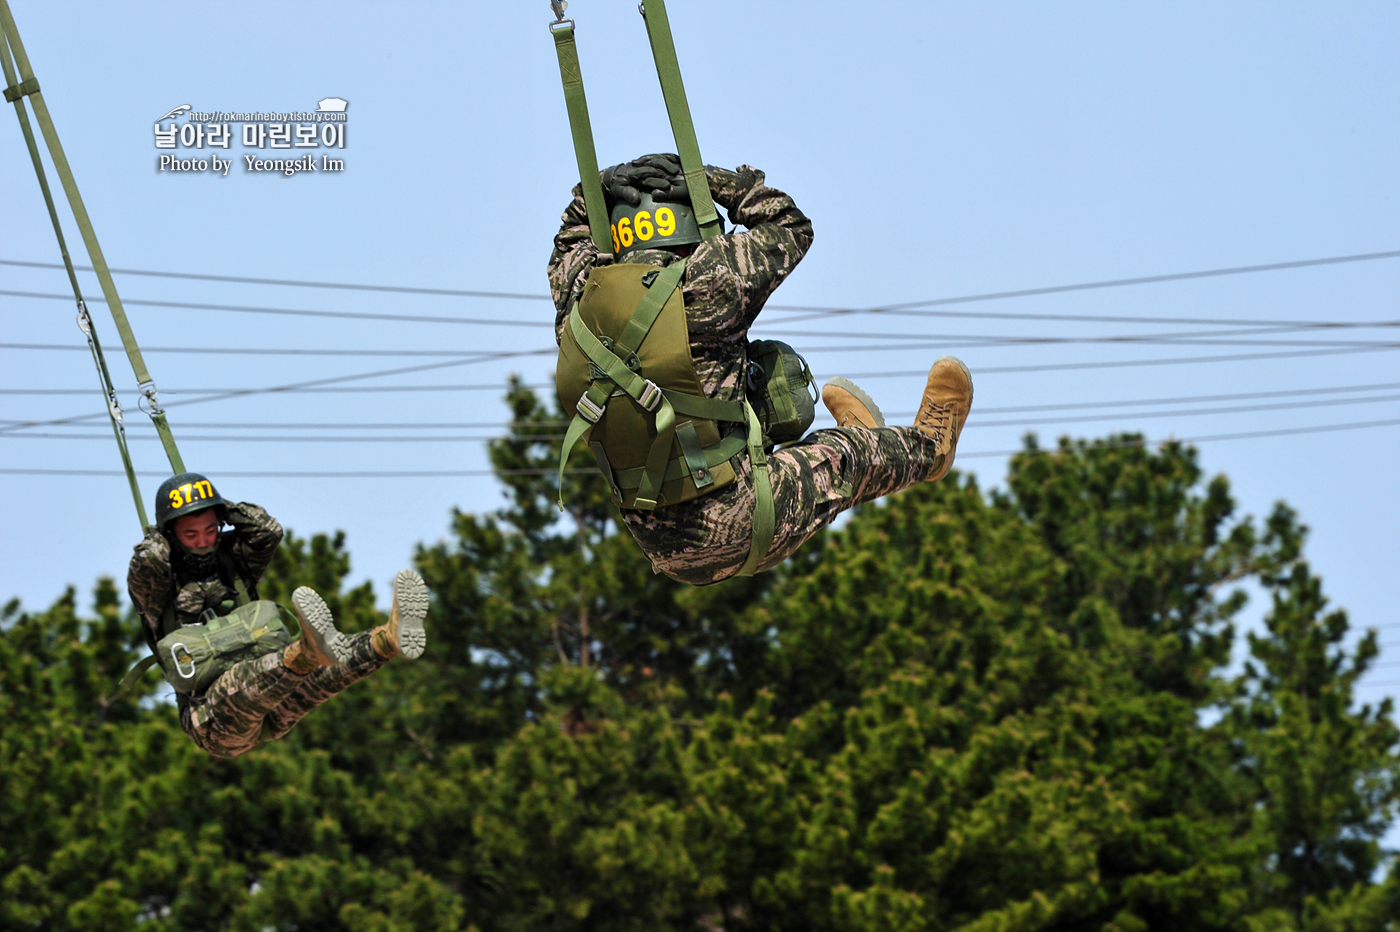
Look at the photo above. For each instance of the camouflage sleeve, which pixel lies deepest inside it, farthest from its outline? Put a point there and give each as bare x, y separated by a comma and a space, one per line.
257, 537
731, 276
573, 257
150, 582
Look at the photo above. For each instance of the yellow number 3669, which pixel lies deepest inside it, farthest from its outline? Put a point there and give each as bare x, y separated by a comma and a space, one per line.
640, 228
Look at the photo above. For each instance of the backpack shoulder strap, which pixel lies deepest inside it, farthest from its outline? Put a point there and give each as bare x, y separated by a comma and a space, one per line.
239, 586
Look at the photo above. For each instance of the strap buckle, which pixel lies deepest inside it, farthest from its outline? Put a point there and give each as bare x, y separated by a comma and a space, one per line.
587, 410
651, 396
23, 89
179, 667
151, 406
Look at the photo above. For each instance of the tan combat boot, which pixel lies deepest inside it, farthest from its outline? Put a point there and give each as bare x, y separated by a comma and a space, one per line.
320, 644
943, 412
849, 405
404, 634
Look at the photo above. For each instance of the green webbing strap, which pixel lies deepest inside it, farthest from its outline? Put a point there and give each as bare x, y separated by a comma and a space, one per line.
145, 384
763, 523
15, 93
134, 674
711, 409
613, 364
729, 446
582, 129
239, 587
668, 69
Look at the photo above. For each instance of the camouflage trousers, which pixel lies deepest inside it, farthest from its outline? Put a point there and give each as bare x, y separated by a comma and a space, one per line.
260, 700
707, 539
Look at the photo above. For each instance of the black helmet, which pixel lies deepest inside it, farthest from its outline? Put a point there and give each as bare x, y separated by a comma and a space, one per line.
184, 495
652, 225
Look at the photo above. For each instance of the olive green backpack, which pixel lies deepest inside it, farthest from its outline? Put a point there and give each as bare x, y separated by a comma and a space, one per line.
625, 367
192, 657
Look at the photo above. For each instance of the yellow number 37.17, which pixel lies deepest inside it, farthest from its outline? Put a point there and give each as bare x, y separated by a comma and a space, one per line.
639, 227
190, 492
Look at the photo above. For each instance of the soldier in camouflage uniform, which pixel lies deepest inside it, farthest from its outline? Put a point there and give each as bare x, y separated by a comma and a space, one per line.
263, 698
727, 280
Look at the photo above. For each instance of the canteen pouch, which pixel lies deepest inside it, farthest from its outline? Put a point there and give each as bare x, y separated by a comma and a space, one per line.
779, 385
192, 657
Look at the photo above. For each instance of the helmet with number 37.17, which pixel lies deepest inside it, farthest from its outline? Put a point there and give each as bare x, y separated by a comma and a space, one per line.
185, 494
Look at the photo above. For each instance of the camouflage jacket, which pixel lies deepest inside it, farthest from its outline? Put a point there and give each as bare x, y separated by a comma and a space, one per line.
727, 279
152, 582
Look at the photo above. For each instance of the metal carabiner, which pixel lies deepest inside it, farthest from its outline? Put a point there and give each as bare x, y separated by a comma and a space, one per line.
178, 668
559, 6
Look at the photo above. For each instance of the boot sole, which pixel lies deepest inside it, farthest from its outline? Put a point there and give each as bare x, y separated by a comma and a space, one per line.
318, 625
966, 371
411, 600
861, 396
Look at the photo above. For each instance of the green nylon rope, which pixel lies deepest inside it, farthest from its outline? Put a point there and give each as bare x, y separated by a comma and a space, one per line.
668, 70
30, 87
114, 410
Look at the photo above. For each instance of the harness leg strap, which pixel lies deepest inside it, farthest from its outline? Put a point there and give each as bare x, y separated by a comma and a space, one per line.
763, 518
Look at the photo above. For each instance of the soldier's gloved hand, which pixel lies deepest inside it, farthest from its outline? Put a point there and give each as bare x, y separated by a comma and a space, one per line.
658, 175
617, 185
661, 176
241, 514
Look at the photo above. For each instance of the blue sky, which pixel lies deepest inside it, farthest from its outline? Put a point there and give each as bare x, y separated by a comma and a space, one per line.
941, 150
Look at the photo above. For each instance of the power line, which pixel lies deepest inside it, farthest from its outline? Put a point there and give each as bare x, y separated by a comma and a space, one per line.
988, 370
1089, 286
475, 387
245, 309
261, 351
1245, 435
562, 423
1237, 409
510, 322
237, 393
294, 283
945, 342
359, 474
892, 308
1173, 361
495, 386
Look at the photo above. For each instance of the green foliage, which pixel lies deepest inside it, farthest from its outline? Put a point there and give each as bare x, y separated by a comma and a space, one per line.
962, 711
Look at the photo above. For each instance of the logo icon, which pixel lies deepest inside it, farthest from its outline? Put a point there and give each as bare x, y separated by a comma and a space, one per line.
332, 105
176, 112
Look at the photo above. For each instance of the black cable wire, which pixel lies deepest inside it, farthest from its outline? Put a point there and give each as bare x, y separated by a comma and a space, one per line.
544, 438
238, 393
988, 296
982, 370
1130, 363
296, 283
1090, 286
562, 424
351, 315
504, 322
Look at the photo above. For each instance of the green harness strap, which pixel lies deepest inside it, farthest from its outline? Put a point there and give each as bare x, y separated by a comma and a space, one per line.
668, 70
15, 93
241, 597
614, 372
569, 72
29, 86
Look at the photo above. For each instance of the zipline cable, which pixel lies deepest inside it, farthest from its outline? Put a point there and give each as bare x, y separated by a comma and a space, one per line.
15, 93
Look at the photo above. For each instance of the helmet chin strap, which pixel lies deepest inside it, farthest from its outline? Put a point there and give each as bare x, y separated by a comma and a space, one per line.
200, 562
